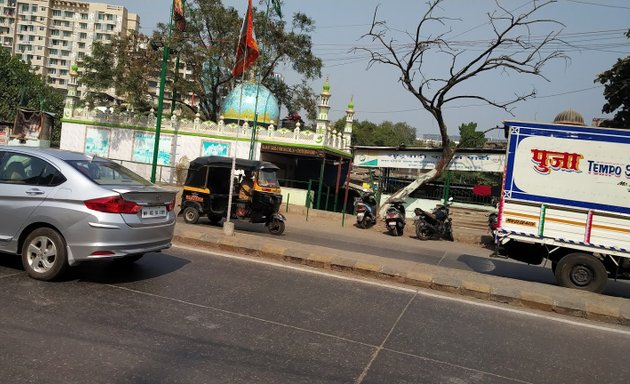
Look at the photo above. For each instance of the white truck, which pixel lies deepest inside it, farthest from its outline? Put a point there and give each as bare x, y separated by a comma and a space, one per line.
566, 198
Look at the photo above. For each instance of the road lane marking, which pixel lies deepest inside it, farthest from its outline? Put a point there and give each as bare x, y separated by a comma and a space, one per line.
469, 301
378, 349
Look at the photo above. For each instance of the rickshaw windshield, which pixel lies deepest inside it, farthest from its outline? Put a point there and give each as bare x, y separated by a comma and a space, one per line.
267, 178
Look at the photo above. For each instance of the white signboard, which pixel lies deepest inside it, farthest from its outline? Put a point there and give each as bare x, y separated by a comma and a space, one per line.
475, 161
572, 169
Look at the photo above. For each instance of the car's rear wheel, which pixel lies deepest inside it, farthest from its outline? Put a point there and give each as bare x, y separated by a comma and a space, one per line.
44, 255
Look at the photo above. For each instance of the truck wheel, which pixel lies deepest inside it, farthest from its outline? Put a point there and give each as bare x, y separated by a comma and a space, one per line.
581, 271
191, 215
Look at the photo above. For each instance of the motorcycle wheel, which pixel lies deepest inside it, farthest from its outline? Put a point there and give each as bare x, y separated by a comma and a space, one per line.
449, 234
363, 223
393, 231
422, 233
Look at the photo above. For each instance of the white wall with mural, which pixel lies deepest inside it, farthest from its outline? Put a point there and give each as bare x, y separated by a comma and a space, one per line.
134, 148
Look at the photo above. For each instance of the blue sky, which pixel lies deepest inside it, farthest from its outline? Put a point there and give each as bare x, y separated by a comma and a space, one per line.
594, 28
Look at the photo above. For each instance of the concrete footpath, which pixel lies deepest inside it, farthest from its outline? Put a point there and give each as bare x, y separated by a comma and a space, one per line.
515, 292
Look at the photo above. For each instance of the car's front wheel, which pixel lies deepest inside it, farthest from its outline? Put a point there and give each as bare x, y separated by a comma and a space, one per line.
44, 255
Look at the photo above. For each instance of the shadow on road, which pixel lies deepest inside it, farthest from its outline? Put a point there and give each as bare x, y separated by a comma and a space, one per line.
110, 272
533, 273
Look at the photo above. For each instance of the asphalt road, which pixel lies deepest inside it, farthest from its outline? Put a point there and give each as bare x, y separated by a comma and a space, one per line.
188, 317
375, 241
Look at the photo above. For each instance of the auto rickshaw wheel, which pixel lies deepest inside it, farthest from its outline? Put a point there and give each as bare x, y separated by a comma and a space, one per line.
276, 227
191, 215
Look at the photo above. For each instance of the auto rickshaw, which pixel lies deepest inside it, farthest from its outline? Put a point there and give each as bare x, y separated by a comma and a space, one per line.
207, 187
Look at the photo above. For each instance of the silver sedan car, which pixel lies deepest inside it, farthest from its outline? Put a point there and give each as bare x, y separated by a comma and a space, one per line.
59, 208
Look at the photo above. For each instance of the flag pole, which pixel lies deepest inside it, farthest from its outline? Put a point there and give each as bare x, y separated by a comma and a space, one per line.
158, 124
252, 142
238, 128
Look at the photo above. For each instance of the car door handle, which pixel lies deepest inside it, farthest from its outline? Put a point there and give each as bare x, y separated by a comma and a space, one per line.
35, 192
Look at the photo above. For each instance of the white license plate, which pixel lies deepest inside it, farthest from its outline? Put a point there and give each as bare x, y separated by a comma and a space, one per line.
151, 212
392, 224
360, 215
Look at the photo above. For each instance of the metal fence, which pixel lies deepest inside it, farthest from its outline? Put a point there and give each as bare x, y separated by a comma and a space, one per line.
435, 191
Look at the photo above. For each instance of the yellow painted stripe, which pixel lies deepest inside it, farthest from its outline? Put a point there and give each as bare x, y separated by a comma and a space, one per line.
193, 189
535, 217
599, 226
569, 222
563, 221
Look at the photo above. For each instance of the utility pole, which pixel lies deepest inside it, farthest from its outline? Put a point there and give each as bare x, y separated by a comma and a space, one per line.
158, 124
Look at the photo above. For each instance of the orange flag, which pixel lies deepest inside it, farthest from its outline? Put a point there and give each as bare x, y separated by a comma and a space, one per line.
178, 15
247, 49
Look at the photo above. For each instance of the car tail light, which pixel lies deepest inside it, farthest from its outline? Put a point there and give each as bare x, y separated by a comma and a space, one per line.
361, 208
112, 204
170, 205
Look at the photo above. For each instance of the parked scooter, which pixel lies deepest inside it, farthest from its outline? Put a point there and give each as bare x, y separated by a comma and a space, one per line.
395, 217
436, 224
366, 210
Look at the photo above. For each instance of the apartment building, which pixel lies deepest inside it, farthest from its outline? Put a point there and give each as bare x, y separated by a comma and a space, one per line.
53, 35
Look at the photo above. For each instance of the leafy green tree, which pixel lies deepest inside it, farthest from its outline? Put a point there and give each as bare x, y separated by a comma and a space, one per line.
207, 49
23, 88
125, 65
617, 92
385, 134
469, 137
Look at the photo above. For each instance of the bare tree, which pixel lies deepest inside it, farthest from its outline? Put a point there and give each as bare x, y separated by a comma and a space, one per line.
512, 48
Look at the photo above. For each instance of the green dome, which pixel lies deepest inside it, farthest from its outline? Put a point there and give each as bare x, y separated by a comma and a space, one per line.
326, 86
241, 102
351, 104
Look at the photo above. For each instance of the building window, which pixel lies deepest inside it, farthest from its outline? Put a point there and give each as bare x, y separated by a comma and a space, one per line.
83, 25
81, 45
56, 12
84, 16
82, 35
54, 32
62, 82
24, 7
34, 8
67, 34
68, 14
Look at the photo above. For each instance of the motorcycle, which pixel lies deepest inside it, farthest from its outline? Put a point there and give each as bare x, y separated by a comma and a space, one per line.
366, 210
395, 217
437, 223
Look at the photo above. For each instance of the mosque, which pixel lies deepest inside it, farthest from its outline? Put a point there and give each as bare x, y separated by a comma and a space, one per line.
300, 164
